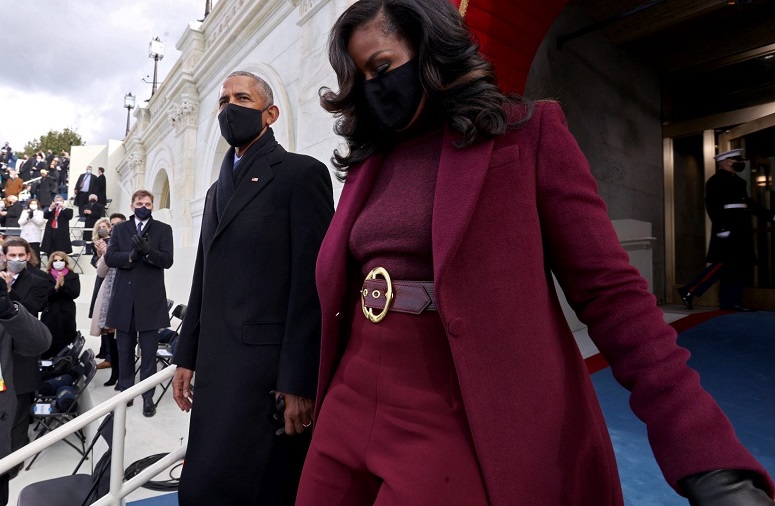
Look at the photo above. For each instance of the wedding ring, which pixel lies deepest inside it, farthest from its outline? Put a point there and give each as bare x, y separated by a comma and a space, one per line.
307, 425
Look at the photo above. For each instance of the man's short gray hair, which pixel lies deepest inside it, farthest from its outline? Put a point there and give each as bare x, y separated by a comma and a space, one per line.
263, 87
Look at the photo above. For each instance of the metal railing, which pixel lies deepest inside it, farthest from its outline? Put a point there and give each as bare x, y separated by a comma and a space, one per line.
118, 488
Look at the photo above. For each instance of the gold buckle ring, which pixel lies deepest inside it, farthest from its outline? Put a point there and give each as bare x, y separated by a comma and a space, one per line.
369, 312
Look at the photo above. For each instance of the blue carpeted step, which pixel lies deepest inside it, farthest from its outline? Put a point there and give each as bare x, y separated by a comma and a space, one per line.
733, 354
159, 500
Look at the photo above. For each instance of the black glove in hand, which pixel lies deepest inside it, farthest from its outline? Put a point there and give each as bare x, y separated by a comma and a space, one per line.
7, 308
140, 245
723, 487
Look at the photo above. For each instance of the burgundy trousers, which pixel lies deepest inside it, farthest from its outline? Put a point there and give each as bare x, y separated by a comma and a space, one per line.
392, 429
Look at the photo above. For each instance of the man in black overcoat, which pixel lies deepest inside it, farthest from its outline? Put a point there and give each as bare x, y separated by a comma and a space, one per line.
731, 251
30, 291
140, 248
101, 186
20, 334
252, 325
56, 236
45, 188
92, 211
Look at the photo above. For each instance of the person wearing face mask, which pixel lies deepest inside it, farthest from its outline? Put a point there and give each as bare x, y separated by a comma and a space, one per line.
103, 287
100, 236
21, 334
140, 249
56, 236
447, 372
31, 291
31, 222
84, 186
731, 251
64, 286
252, 338
93, 211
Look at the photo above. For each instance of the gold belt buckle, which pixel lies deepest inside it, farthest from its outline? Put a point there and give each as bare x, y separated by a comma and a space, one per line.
369, 312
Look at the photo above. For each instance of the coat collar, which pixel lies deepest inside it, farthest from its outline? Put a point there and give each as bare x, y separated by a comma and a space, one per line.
147, 226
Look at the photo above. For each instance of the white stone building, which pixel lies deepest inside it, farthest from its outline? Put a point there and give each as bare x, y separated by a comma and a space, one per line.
175, 149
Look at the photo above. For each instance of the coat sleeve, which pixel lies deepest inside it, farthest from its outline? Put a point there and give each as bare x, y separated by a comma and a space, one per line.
30, 336
687, 430
37, 218
188, 341
118, 255
163, 256
71, 288
312, 207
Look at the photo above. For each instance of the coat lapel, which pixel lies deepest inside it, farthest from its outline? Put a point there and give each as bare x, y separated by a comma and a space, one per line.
461, 175
255, 179
331, 270
332, 259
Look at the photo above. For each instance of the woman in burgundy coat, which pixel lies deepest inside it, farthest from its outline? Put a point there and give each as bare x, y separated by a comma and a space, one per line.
468, 388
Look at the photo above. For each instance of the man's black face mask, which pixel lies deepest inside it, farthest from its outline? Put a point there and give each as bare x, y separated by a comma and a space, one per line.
240, 125
738, 166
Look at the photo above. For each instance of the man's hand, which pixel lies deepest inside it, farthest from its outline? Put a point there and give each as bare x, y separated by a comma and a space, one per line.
298, 413
6, 306
140, 245
7, 277
181, 388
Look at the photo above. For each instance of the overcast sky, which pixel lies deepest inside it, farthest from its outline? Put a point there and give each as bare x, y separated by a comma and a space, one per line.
69, 63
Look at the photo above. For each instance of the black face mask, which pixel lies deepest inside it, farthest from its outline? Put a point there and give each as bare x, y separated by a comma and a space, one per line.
738, 166
393, 98
240, 125
142, 213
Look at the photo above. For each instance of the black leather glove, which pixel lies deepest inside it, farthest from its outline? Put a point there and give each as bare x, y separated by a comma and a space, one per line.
140, 244
7, 308
723, 487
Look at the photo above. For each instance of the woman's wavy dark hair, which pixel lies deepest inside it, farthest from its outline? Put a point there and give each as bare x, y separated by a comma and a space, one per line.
461, 85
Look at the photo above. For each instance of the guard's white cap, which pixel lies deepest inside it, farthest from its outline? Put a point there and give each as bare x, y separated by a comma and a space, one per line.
729, 154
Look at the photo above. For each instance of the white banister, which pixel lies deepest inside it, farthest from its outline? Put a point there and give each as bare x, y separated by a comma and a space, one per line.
117, 404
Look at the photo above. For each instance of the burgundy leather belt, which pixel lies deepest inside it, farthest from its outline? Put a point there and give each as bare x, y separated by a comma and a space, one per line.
411, 297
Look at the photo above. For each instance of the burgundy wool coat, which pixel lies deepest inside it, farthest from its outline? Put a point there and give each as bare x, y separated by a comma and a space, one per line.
507, 212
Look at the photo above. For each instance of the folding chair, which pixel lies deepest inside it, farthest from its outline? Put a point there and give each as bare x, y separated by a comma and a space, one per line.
77, 254
167, 346
71, 350
170, 303
107, 203
62, 361
51, 412
75, 489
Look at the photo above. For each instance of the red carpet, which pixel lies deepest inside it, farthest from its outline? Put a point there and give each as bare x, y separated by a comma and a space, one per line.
597, 362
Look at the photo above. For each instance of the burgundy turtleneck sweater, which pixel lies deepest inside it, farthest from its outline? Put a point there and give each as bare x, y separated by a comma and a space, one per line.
394, 228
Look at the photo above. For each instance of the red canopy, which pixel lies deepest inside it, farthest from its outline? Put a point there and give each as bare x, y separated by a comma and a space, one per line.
509, 33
